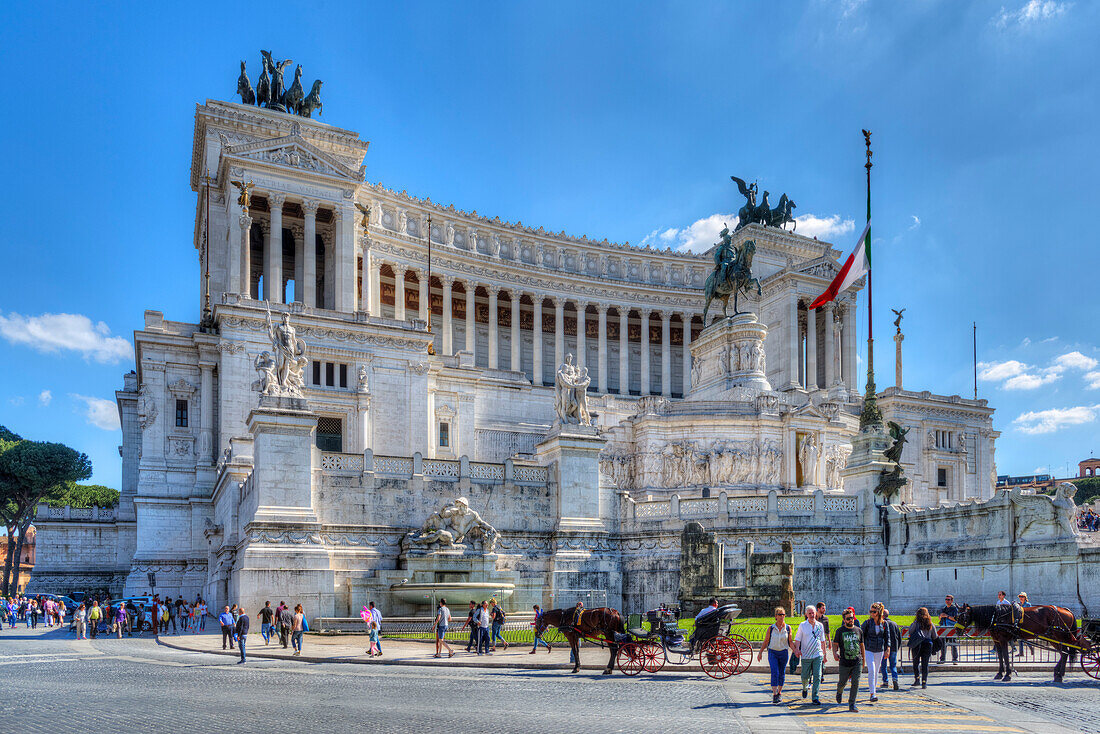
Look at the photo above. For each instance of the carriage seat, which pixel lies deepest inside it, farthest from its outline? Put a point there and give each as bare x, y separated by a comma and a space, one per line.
639, 632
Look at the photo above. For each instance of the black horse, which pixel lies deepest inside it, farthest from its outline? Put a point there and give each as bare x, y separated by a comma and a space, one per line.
1005, 623
601, 623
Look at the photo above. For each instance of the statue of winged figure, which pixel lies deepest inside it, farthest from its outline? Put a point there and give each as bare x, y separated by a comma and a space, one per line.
897, 321
747, 213
245, 199
762, 213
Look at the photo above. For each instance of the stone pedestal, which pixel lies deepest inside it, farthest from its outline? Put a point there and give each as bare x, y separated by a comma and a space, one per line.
728, 360
861, 476
281, 553
456, 573
573, 453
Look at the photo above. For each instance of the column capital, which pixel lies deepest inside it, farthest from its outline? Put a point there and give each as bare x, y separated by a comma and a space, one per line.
245, 221
665, 315
309, 207
446, 280
580, 304
276, 199
601, 308
645, 313
558, 301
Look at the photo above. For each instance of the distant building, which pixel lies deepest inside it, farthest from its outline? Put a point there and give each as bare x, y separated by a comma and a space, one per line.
1089, 468
27, 565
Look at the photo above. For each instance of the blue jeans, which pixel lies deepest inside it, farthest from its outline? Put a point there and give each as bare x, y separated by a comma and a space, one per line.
296, 640
240, 644
482, 640
540, 641
777, 661
265, 632
496, 634
890, 665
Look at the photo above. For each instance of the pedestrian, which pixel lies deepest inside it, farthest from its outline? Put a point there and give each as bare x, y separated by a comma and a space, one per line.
93, 619
949, 614
162, 615
34, 611
442, 621
1022, 599
170, 608
848, 651
778, 642
809, 643
227, 623
120, 619
79, 616
876, 645
374, 639
922, 634
376, 617
202, 615
241, 628
284, 618
483, 622
538, 637
472, 642
890, 659
1002, 599
824, 619
298, 627
497, 616
267, 616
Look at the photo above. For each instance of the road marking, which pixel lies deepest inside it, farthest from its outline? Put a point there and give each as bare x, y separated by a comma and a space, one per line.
31, 662
852, 726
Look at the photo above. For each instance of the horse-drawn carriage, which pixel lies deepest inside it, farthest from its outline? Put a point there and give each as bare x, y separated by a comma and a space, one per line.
720, 652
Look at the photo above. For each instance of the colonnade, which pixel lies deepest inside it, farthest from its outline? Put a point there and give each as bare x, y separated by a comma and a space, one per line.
831, 364
645, 365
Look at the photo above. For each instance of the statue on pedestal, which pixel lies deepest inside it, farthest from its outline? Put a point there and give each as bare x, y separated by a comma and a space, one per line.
732, 273
571, 394
284, 374
891, 482
807, 457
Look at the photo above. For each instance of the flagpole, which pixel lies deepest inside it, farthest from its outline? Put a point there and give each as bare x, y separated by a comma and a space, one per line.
870, 418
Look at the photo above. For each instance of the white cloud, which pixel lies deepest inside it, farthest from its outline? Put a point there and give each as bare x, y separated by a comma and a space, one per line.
1074, 361
99, 412
1049, 340
703, 233
44, 398
55, 332
16, 401
1030, 14
1055, 419
997, 371
1031, 381
1093, 380
824, 228
916, 222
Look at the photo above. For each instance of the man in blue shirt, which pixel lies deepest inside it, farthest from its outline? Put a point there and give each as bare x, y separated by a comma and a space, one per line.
226, 620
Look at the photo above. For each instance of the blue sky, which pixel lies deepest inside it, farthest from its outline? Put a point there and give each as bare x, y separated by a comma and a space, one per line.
617, 120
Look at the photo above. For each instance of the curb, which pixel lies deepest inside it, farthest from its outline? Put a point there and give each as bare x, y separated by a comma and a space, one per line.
468, 663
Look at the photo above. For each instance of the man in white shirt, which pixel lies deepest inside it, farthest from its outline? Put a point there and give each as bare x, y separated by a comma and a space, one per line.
483, 620
809, 644
713, 606
376, 617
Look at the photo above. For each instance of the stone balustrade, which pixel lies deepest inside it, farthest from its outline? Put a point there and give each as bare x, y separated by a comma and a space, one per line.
46, 513
821, 507
406, 467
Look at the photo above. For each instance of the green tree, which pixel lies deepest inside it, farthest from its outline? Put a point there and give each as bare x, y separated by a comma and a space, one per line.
1088, 488
84, 495
31, 472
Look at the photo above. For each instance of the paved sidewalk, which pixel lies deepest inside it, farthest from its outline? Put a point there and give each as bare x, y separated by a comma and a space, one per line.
351, 648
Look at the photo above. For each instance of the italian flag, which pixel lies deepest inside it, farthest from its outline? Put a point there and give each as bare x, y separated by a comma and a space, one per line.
855, 267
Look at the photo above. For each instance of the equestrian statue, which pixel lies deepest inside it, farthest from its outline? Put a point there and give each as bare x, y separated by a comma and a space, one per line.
732, 272
269, 90
763, 213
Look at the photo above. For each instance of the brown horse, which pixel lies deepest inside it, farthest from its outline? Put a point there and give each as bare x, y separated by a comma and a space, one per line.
1055, 626
601, 623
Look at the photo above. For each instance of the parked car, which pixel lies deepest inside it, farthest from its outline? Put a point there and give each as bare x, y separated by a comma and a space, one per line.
147, 612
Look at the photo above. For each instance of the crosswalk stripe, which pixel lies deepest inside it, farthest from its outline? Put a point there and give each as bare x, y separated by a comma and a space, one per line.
855, 725
876, 716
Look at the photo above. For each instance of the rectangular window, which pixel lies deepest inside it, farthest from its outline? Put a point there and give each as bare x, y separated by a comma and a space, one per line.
941, 477
330, 374
343, 375
444, 435
316, 372
181, 413
330, 434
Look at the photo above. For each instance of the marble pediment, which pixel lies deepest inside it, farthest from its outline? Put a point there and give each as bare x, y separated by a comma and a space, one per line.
809, 410
822, 267
293, 151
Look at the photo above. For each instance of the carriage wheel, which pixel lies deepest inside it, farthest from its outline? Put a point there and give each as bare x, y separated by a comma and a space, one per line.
1090, 662
719, 657
630, 659
744, 653
653, 656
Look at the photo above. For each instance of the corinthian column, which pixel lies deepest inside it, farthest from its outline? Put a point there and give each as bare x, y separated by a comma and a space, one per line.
624, 350
399, 292
494, 315
666, 353
273, 252
582, 334
646, 385
206, 409
448, 331
471, 321
792, 342
309, 252
536, 340
559, 331
811, 349
601, 348
425, 294
685, 319
515, 362
246, 255
830, 345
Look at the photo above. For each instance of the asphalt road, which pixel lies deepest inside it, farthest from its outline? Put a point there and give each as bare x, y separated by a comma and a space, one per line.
50, 682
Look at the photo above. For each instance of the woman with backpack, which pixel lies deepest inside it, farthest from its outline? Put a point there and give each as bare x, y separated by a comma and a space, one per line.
496, 614
922, 637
